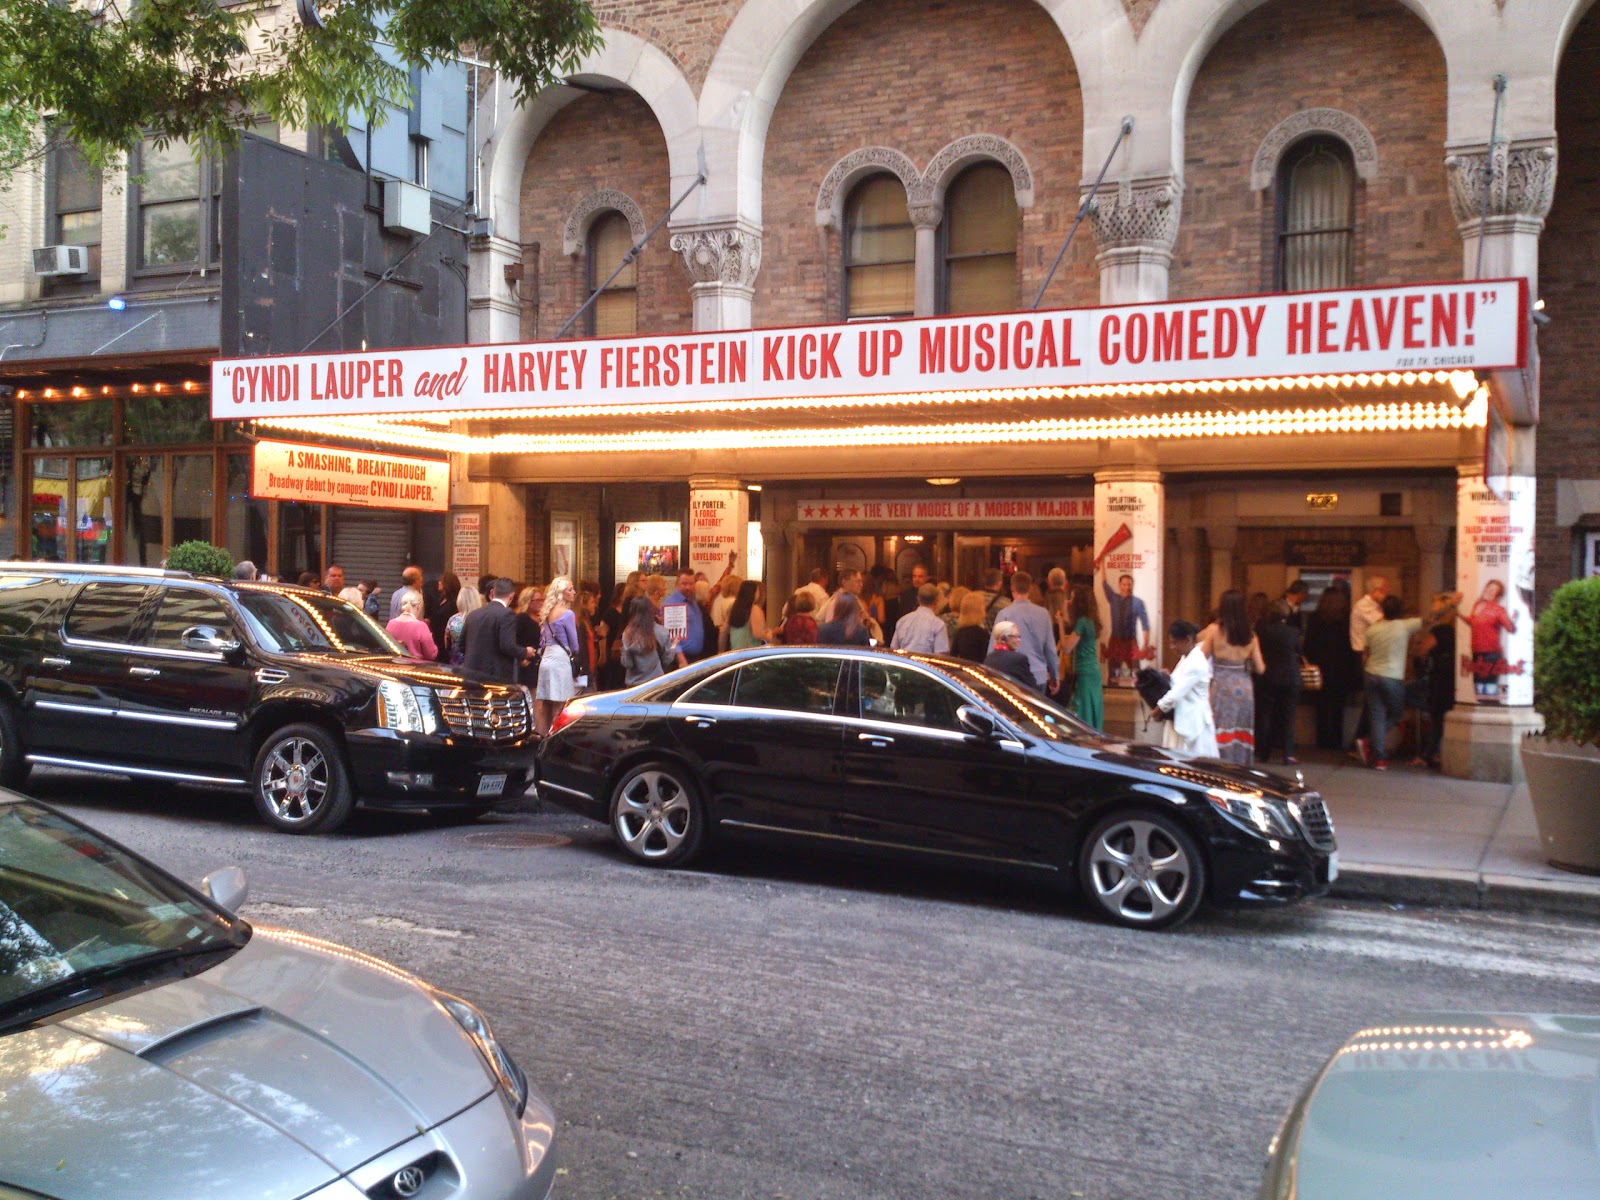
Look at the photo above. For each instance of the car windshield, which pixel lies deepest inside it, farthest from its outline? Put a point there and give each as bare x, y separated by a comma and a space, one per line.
80, 918
1030, 711
291, 622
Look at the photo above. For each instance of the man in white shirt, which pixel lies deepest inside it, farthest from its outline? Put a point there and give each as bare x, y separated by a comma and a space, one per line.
922, 632
1189, 725
817, 589
1367, 611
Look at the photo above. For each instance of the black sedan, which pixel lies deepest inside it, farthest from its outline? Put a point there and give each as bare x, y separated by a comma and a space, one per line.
931, 756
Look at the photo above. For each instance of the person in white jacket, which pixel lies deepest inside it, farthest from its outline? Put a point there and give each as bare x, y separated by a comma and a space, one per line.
1189, 725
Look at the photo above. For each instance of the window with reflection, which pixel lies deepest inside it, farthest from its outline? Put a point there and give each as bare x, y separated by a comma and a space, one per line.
75, 217
176, 211
615, 313
790, 683
1316, 215
144, 486
907, 697
248, 517
172, 419
880, 247
979, 241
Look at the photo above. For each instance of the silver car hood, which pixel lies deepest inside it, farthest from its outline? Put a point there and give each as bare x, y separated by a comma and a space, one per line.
1495, 1107
291, 1063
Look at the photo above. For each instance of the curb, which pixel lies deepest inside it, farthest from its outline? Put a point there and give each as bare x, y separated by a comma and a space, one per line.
1467, 889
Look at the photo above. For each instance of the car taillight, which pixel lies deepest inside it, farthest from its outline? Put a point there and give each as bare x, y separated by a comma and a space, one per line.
569, 714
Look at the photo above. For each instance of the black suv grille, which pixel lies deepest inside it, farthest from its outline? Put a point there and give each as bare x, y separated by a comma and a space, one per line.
1312, 814
491, 715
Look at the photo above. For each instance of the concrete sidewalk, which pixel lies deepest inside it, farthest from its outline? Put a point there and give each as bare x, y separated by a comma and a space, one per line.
1412, 836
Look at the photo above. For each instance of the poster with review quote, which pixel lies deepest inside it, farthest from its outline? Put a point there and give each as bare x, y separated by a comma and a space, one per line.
1129, 524
1494, 574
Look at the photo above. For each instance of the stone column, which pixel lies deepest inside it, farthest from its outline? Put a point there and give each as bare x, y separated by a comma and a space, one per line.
1130, 535
723, 259
926, 218
1522, 183
494, 298
719, 525
1221, 539
1494, 642
1190, 602
1135, 224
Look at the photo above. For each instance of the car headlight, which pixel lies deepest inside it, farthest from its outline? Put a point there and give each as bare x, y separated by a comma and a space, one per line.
1260, 814
406, 709
505, 1070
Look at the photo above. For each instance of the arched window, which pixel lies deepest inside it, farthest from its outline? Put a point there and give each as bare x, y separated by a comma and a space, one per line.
1316, 215
979, 242
880, 251
616, 312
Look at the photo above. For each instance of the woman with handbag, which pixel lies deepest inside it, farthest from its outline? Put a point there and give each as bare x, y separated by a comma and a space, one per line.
1280, 683
558, 651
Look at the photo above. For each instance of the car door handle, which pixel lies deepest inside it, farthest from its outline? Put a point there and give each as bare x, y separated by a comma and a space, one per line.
55, 662
700, 722
875, 739
144, 672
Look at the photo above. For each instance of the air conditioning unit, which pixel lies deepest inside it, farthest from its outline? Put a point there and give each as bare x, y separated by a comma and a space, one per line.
49, 261
407, 208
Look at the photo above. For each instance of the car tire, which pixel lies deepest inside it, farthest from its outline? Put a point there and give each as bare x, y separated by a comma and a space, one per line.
1142, 869
299, 782
14, 769
657, 816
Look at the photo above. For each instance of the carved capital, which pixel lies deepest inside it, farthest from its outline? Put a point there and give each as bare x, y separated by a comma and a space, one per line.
1137, 213
926, 214
1521, 181
724, 254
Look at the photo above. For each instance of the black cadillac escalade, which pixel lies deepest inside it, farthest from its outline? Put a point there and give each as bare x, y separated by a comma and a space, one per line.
292, 694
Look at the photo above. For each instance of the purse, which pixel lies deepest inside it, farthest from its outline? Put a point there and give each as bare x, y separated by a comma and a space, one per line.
1310, 676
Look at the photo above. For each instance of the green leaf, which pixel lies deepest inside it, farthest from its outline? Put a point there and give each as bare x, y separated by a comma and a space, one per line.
1566, 649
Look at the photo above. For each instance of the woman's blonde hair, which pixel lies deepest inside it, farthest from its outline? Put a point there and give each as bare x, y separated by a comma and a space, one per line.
972, 610
554, 595
411, 602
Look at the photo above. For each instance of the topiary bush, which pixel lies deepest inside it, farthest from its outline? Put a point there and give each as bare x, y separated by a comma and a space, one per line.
200, 558
1566, 663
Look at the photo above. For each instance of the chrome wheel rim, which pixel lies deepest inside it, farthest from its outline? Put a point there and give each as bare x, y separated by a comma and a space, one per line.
295, 780
1139, 872
653, 814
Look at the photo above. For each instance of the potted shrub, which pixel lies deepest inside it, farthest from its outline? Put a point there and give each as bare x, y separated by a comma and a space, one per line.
1563, 766
200, 558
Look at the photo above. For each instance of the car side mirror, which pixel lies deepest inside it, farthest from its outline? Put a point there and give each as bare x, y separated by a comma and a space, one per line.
206, 639
226, 888
977, 723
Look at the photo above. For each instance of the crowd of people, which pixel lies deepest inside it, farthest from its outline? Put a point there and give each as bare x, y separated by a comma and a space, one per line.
1234, 690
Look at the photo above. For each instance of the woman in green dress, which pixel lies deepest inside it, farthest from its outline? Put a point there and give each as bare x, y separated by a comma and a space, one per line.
1083, 644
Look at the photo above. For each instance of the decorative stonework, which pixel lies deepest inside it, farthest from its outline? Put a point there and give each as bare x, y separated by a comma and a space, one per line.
1308, 121
980, 147
924, 189
866, 161
1137, 213
728, 254
1523, 183
575, 234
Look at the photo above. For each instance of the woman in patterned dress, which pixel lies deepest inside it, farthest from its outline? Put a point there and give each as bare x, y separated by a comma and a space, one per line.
1235, 657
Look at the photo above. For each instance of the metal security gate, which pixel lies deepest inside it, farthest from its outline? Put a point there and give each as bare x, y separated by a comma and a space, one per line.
371, 545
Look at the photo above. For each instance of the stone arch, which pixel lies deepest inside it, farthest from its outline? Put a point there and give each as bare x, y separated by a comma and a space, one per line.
856, 166
575, 234
767, 39
1308, 121
626, 60
975, 148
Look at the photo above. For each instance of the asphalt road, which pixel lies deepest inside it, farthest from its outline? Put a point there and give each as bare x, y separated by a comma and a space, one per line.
794, 1026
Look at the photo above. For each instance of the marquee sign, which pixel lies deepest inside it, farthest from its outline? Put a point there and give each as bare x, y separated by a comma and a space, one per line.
983, 510
334, 475
1424, 327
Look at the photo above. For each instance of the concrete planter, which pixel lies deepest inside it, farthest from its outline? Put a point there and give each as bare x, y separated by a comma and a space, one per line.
1564, 785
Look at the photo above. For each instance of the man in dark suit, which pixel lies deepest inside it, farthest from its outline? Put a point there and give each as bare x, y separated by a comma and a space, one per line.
489, 650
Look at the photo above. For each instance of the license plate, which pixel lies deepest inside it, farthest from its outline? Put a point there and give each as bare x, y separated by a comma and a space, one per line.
1333, 866
491, 785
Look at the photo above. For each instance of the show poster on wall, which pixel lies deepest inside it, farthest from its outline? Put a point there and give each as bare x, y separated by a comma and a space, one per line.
1494, 574
1129, 523
466, 543
719, 520
648, 546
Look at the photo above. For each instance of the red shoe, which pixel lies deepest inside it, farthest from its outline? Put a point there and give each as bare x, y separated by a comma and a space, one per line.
1380, 765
